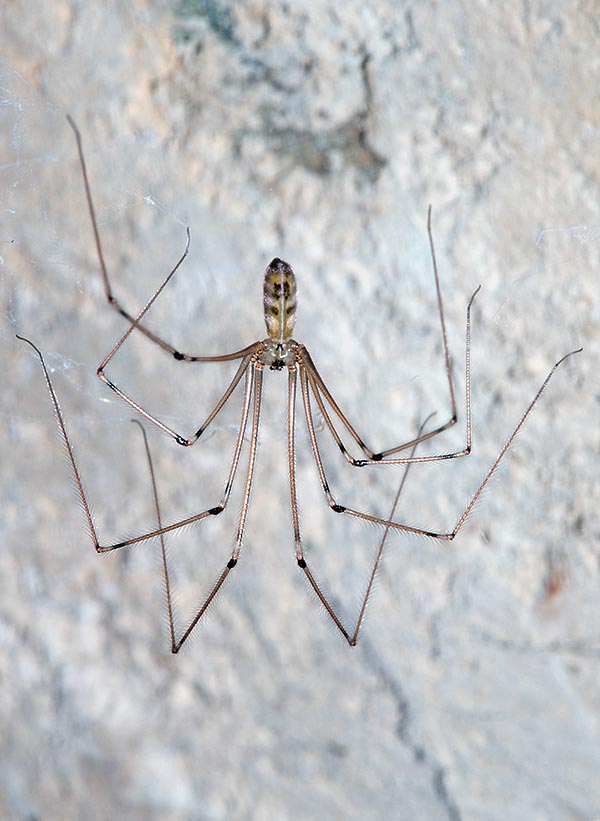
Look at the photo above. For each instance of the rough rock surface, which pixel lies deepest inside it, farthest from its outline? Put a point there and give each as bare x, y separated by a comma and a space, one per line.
318, 132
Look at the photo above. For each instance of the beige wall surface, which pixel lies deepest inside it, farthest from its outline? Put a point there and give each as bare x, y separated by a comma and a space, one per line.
318, 132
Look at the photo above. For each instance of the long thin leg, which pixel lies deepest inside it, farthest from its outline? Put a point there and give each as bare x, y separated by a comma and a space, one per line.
370, 454
292, 380
163, 549
135, 321
449, 535
383, 541
447, 363
182, 440
320, 390
292, 384
353, 637
245, 355
235, 554
214, 511
258, 380
136, 324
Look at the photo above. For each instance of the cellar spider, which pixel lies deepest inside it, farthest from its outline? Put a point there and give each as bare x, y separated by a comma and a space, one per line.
279, 351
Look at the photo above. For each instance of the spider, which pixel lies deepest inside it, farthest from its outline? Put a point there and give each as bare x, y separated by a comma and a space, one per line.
278, 352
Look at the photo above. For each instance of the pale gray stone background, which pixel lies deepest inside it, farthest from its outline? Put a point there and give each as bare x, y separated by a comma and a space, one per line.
319, 132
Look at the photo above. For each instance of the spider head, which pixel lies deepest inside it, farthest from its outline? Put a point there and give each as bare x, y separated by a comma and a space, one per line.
278, 355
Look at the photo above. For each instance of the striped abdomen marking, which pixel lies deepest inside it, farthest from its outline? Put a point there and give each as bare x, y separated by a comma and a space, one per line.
279, 300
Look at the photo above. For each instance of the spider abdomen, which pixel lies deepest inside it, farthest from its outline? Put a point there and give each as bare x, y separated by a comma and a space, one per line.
279, 300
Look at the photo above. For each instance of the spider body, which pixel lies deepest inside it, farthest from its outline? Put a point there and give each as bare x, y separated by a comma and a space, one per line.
279, 351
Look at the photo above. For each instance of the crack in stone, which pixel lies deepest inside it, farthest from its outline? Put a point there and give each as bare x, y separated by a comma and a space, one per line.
421, 756
439, 785
316, 150
586, 648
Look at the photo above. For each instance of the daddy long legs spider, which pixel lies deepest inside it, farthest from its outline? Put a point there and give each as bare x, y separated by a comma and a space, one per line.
278, 352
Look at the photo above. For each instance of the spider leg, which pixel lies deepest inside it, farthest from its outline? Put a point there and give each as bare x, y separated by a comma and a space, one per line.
321, 393
112, 300
351, 638
292, 383
235, 554
258, 382
370, 454
163, 549
382, 543
449, 535
135, 321
245, 355
447, 363
182, 440
213, 511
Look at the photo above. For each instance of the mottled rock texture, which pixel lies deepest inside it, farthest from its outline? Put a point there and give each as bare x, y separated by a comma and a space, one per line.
318, 132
